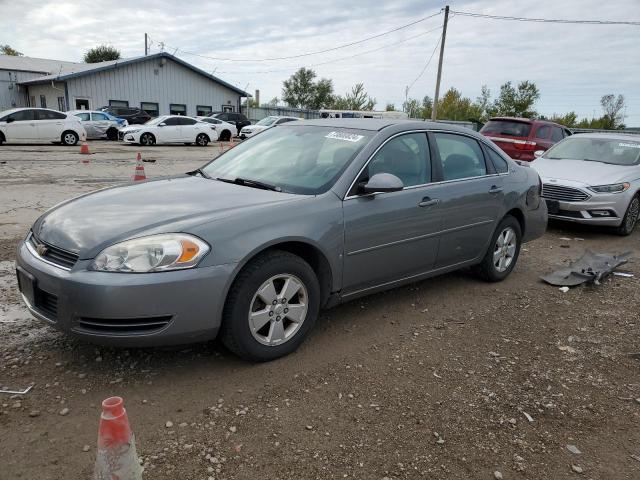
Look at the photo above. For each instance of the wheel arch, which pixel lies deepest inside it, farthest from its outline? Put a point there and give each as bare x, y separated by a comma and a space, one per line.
519, 216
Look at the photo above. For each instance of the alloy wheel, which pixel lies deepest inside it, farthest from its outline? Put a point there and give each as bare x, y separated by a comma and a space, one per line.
504, 249
69, 139
278, 309
632, 215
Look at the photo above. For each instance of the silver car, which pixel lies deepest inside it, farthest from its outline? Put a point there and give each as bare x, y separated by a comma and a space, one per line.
252, 245
594, 179
99, 124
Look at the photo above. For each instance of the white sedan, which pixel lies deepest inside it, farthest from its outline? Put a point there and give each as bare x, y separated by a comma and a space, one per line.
225, 130
267, 122
99, 124
29, 125
169, 129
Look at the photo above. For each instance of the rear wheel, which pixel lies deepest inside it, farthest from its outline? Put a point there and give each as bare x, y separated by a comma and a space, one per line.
271, 307
69, 138
630, 217
147, 139
503, 251
202, 140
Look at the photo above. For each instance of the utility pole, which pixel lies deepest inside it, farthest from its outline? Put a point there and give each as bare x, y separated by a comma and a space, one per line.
434, 110
146, 45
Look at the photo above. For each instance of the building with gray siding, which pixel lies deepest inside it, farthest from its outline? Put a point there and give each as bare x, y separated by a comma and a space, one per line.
160, 84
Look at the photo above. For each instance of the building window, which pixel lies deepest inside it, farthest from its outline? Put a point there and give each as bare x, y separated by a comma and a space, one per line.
43, 101
177, 109
203, 110
227, 108
61, 104
118, 103
32, 102
151, 108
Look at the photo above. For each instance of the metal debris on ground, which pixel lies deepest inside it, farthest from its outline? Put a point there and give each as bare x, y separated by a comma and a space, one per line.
17, 392
591, 267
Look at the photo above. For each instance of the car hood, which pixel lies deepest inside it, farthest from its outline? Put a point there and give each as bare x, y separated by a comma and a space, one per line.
588, 173
255, 128
88, 224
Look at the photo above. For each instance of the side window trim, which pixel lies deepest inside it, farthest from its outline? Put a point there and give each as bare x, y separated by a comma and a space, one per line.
485, 149
488, 164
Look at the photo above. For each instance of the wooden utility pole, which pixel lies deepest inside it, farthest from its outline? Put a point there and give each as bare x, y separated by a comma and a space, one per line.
434, 110
146, 45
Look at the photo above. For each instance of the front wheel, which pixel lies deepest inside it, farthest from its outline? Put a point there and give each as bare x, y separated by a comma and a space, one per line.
630, 217
112, 134
503, 252
69, 138
202, 140
271, 307
147, 139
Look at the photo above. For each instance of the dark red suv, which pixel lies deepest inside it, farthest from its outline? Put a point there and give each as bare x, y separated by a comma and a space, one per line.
520, 137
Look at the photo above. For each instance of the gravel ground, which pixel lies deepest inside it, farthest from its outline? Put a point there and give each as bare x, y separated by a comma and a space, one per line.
450, 378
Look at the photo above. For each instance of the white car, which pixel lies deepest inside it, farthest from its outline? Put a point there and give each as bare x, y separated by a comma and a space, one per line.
267, 122
169, 129
99, 124
224, 129
29, 125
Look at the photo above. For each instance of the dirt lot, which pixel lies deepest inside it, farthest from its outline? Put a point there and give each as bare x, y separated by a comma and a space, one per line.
430, 381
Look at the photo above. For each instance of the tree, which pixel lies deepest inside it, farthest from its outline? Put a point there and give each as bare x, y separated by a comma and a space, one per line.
518, 102
569, 120
483, 104
301, 91
7, 50
101, 53
416, 109
390, 107
273, 102
453, 106
357, 99
613, 110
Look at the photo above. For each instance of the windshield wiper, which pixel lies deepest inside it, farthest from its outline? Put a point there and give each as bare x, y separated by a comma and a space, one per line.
250, 183
199, 171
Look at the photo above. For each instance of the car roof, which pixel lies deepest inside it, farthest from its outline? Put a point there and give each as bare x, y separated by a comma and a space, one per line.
609, 135
526, 120
377, 124
12, 110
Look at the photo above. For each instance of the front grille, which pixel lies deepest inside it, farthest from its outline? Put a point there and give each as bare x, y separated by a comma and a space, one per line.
568, 213
562, 193
122, 326
47, 303
120, 135
53, 254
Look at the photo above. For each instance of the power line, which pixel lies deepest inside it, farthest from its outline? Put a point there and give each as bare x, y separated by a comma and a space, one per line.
317, 52
425, 65
546, 20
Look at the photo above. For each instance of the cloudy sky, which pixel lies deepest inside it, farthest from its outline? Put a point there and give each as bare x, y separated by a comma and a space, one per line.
573, 65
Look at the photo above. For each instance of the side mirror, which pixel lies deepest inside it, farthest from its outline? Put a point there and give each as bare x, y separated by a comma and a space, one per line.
162, 124
382, 183
538, 153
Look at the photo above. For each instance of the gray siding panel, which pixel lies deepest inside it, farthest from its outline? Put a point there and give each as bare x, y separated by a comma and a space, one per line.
149, 81
13, 95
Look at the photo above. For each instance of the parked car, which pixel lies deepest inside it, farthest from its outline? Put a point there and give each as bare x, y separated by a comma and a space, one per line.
99, 124
237, 119
520, 137
224, 130
28, 125
253, 244
169, 129
134, 116
263, 124
593, 178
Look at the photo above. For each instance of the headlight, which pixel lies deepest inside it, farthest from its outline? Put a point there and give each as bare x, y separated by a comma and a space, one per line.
132, 131
613, 188
155, 253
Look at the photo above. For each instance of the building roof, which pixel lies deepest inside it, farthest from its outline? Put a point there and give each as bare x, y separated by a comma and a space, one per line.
74, 70
36, 65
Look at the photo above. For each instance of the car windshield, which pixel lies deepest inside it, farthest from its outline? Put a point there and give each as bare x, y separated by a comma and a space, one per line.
507, 127
606, 150
267, 121
296, 159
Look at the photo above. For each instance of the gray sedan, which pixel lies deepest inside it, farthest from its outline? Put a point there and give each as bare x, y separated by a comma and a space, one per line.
593, 179
302, 217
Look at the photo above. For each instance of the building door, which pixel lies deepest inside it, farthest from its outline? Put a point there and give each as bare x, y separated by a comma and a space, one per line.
82, 104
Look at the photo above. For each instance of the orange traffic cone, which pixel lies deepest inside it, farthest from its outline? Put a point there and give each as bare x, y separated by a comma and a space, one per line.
139, 172
117, 457
84, 148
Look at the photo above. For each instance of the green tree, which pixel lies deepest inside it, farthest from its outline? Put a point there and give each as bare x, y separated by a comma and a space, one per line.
356, 99
453, 106
569, 120
517, 102
613, 109
412, 108
7, 50
390, 107
301, 91
101, 53
483, 104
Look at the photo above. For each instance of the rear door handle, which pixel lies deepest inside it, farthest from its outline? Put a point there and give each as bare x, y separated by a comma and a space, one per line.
493, 190
429, 202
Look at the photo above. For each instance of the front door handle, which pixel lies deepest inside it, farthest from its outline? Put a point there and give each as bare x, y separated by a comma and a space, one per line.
493, 190
429, 202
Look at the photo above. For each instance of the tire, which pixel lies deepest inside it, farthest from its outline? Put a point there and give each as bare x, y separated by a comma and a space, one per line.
630, 219
69, 138
1, 138
112, 134
275, 333
147, 139
501, 258
225, 136
202, 140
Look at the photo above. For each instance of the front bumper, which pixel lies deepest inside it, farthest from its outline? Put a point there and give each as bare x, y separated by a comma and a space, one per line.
601, 209
123, 309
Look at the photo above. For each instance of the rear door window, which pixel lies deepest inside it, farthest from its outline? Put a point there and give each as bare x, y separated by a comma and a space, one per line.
507, 127
84, 117
99, 117
49, 115
556, 134
543, 131
461, 156
499, 163
187, 121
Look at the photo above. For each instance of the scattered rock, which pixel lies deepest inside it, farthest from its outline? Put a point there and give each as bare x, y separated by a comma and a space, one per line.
309, 427
64, 411
497, 475
34, 413
573, 449
86, 448
169, 424
576, 468
233, 429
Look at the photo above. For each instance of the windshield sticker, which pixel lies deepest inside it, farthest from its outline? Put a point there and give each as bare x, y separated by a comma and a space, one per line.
631, 145
347, 137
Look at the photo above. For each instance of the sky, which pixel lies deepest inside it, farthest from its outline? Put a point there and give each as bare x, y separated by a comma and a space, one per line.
573, 65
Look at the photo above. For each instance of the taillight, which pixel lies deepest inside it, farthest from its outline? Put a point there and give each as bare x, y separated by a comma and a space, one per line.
526, 145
